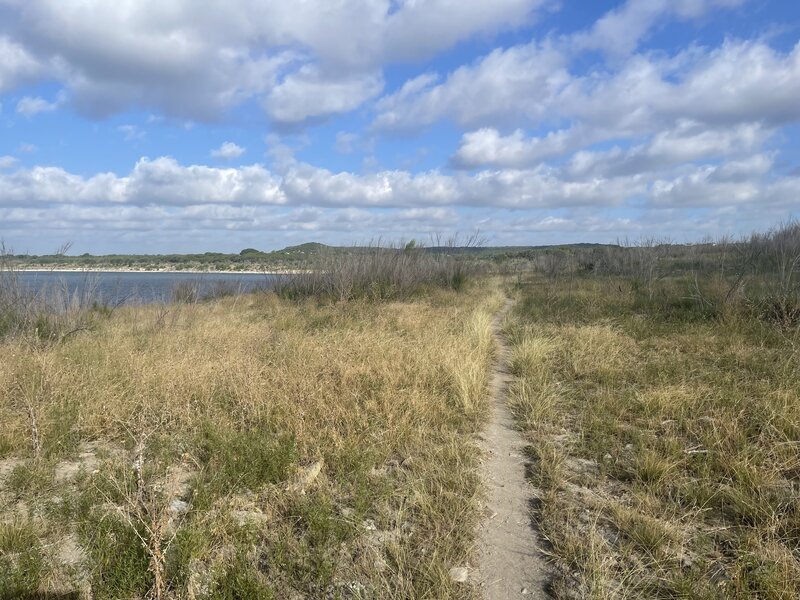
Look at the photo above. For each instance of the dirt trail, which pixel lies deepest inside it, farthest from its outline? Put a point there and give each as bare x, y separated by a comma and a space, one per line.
510, 563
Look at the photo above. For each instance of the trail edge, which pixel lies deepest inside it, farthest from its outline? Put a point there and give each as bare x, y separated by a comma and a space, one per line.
510, 563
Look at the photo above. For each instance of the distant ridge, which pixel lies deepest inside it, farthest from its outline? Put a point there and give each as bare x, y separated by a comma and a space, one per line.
290, 257
308, 248
317, 247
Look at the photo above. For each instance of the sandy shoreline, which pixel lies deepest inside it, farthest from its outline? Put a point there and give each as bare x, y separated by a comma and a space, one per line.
155, 271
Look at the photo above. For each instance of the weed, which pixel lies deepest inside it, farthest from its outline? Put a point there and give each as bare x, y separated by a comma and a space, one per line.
119, 562
30, 477
379, 272
238, 398
686, 415
241, 581
21, 558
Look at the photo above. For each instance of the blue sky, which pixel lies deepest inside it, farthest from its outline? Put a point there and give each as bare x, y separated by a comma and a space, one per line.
153, 126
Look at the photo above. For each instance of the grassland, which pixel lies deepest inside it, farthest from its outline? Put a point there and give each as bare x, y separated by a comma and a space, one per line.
319, 441
664, 435
249, 447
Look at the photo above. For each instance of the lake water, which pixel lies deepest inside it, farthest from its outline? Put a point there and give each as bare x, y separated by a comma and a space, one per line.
115, 288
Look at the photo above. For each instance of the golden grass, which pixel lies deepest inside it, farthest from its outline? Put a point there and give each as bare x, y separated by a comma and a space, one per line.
318, 450
665, 446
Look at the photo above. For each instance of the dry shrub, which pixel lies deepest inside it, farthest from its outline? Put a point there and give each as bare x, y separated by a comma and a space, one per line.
380, 272
250, 393
48, 314
672, 442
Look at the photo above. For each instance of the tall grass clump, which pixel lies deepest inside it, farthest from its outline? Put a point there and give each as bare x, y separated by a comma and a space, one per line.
248, 447
192, 291
377, 272
49, 313
777, 254
755, 277
664, 427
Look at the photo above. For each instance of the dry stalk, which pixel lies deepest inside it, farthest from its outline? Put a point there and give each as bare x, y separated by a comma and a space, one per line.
33, 422
35, 439
142, 511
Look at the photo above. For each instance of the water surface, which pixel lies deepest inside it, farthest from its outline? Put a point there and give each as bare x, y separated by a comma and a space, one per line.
115, 288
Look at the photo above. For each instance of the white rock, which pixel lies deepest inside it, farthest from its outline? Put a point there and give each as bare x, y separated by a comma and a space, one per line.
305, 477
369, 525
249, 517
179, 507
459, 574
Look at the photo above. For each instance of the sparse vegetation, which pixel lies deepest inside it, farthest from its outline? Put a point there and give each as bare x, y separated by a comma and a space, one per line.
379, 272
664, 420
320, 440
49, 313
248, 447
288, 259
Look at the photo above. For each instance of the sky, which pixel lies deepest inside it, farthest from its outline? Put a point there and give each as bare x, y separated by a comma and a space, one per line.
153, 126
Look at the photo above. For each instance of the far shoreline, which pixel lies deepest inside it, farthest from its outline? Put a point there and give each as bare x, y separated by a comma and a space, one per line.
155, 271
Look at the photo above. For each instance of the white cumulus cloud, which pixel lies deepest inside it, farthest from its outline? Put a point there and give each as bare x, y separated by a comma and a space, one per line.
30, 106
619, 31
17, 64
7, 162
308, 93
505, 86
228, 151
171, 56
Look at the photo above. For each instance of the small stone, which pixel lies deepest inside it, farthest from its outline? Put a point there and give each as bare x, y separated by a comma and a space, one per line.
305, 477
459, 574
524, 591
357, 587
380, 564
179, 507
686, 561
245, 518
369, 525
200, 579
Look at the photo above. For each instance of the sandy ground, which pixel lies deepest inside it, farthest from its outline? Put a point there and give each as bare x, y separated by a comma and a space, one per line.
511, 564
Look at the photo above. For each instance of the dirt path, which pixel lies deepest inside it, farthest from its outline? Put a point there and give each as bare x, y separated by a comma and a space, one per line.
510, 563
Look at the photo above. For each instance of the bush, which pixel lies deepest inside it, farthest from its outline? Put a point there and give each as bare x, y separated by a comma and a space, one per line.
186, 292
49, 313
757, 276
783, 310
378, 273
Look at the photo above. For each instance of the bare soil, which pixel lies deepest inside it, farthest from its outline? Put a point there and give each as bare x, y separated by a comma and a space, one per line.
511, 564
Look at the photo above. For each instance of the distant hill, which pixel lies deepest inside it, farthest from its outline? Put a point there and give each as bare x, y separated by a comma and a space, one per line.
485, 251
307, 248
290, 257
478, 251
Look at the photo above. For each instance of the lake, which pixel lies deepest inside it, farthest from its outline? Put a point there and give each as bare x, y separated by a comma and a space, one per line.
115, 288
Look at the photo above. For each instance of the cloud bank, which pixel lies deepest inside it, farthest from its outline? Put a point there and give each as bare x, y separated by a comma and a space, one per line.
648, 118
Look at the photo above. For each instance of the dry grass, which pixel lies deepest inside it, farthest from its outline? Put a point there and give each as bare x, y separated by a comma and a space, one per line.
375, 271
665, 446
249, 447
